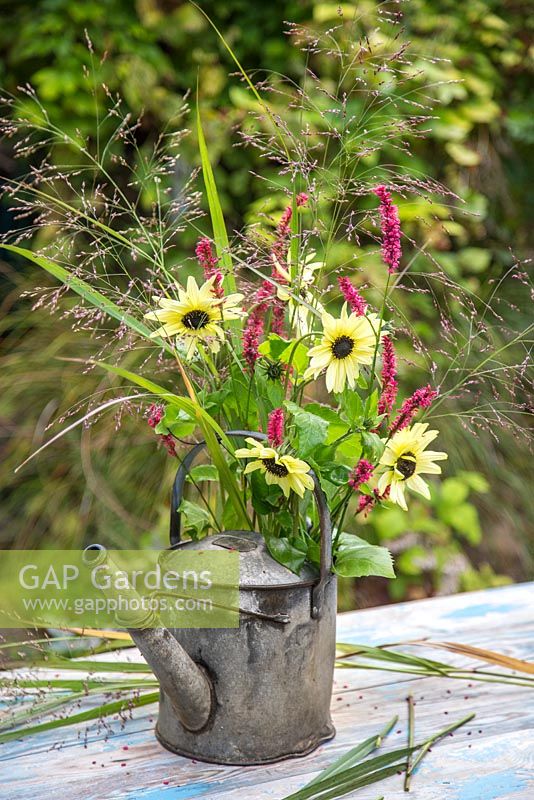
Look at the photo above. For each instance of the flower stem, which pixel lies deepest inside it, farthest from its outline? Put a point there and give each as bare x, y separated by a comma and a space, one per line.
411, 720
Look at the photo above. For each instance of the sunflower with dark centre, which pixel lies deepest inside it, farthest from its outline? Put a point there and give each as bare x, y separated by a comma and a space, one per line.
196, 315
405, 459
291, 474
347, 344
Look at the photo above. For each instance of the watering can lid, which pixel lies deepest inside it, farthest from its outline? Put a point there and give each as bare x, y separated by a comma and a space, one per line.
256, 565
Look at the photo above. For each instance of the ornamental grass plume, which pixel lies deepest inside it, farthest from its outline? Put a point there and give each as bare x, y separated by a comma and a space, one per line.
356, 302
275, 427
209, 264
389, 377
391, 232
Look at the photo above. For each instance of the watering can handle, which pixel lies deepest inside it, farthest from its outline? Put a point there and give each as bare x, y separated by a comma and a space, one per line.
325, 524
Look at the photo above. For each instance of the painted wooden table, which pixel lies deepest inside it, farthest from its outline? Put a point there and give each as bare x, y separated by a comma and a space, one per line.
491, 758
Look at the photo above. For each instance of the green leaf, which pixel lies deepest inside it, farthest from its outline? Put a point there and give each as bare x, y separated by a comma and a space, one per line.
181, 403
195, 519
311, 429
350, 449
475, 481
336, 427
373, 446
355, 558
285, 553
176, 421
288, 351
265, 498
295, 354
273, 347
336, 473
351, 758
353, 408
203, 472
220, 235
212, 432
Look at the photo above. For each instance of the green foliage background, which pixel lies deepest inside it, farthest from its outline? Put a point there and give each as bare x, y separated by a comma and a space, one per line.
479, 145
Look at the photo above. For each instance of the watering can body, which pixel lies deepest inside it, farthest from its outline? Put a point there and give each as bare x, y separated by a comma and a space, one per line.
260, 692
272, 677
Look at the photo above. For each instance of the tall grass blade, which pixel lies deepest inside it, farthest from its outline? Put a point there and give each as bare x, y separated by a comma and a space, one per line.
220, 235
92, 296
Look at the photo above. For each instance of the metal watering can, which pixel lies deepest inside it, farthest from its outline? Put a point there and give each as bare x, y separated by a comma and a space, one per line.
261, 692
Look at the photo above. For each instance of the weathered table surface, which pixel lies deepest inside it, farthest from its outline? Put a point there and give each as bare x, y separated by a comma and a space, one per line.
491, 758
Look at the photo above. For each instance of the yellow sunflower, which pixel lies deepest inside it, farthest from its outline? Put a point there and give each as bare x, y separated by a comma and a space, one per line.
347, 343
291, 474
196, 315
405, 459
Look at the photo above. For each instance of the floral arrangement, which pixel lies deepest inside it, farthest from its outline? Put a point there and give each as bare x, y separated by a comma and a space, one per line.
322, 384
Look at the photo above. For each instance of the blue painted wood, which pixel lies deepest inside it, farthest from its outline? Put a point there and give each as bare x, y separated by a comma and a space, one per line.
492, 758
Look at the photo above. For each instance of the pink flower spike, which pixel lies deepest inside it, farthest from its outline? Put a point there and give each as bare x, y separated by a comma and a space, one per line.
352, 296
209, 263
421, 398
360, 474
275, 427
169, 443
391, 232
155, 414
283, 228
389, 375
251, 339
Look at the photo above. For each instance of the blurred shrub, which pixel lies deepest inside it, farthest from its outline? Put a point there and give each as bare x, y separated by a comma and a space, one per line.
431, 541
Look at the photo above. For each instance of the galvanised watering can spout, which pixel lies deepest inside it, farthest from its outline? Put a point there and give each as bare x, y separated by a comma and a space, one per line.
184, 682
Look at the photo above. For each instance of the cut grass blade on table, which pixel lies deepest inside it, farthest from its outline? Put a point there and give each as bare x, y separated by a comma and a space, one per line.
383, 658
138, 676
340, 782
351, 758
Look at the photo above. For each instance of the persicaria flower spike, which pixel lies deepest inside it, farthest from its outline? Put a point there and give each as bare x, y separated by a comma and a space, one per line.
283, 227
155, 414
251, 340
421, 398
368, 501
389, 377
275, 427
356, 302
209, 263
360, 474
390, 224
